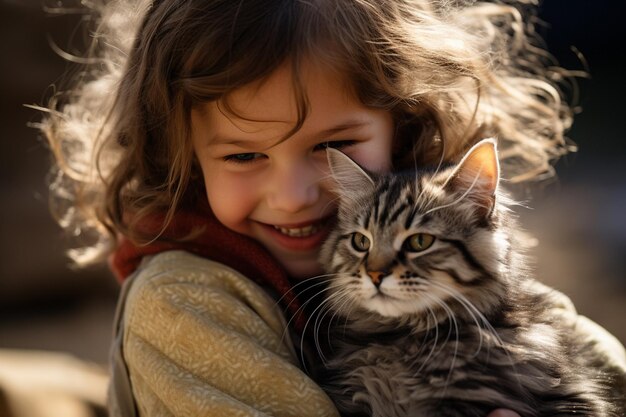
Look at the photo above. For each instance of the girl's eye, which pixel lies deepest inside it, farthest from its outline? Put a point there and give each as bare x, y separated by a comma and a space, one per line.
337, 144
242, 158
360, 242
419, 242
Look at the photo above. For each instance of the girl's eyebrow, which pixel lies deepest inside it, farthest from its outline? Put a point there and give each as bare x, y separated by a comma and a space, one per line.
348, 125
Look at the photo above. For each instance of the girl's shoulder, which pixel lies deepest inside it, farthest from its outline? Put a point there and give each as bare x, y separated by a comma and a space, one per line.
202, 339
181, 280
587, 333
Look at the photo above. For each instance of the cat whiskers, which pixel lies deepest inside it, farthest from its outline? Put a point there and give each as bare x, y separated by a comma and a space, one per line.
324, 304
315, 330
342, 308
339, 296
434, 342
470, 306
306, 324
474, 313
304, 281
324, 280
297, 312
450, 314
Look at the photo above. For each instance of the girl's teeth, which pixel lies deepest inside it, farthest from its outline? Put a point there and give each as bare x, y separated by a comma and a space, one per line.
298, 232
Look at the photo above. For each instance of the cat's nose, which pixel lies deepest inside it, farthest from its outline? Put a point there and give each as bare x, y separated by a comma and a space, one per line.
377, 277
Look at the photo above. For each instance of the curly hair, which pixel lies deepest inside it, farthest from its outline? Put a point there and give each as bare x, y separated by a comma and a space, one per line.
450, 73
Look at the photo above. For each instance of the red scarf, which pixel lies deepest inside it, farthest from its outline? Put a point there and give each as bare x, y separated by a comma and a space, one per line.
215, 242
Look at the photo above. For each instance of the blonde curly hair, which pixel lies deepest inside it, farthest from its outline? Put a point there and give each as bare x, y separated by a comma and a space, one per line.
450, 72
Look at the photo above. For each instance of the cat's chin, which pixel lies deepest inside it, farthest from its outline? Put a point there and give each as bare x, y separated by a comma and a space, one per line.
388, 306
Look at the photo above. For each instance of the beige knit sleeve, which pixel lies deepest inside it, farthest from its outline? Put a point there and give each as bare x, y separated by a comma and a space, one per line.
584, 329
202, 340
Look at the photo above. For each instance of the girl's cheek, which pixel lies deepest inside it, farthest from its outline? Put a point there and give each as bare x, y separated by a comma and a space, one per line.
238, 183
373, 157
226, 187
232, 201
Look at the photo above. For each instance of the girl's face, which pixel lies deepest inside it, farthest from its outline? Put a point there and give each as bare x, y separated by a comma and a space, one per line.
278, 192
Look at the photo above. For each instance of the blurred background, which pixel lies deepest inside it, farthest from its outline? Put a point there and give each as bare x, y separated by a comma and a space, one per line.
578, 217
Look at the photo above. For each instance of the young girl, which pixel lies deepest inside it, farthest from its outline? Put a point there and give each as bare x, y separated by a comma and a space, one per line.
193, 154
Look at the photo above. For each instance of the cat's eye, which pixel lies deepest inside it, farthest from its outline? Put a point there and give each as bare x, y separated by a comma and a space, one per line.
360, 242
419, 242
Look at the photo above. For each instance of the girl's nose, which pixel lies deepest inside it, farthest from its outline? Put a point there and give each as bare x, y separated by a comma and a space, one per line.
294, 190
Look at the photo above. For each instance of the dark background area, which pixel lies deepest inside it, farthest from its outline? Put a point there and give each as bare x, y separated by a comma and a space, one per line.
578, 217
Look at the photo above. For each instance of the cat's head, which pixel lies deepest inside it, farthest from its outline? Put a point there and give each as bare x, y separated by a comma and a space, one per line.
411, 244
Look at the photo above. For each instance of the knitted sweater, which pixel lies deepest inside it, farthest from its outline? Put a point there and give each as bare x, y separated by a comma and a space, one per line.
200, 339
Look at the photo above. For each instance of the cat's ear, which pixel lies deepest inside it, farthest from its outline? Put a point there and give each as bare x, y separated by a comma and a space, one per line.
478, 175
348, 175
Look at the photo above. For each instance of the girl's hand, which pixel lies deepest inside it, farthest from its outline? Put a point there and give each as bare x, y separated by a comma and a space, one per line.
501, 412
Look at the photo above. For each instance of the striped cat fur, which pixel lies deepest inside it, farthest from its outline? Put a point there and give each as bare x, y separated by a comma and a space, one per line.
432, 310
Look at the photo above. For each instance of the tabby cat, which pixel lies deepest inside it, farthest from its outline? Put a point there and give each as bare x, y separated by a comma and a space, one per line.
433, 311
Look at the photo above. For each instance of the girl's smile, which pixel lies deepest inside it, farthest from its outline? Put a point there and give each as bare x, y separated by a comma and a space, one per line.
277, 191
301, 236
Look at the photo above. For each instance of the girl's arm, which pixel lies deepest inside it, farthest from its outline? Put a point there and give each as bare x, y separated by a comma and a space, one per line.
199, 339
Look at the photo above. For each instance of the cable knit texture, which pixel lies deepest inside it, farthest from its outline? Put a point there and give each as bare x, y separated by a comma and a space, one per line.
202, 340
